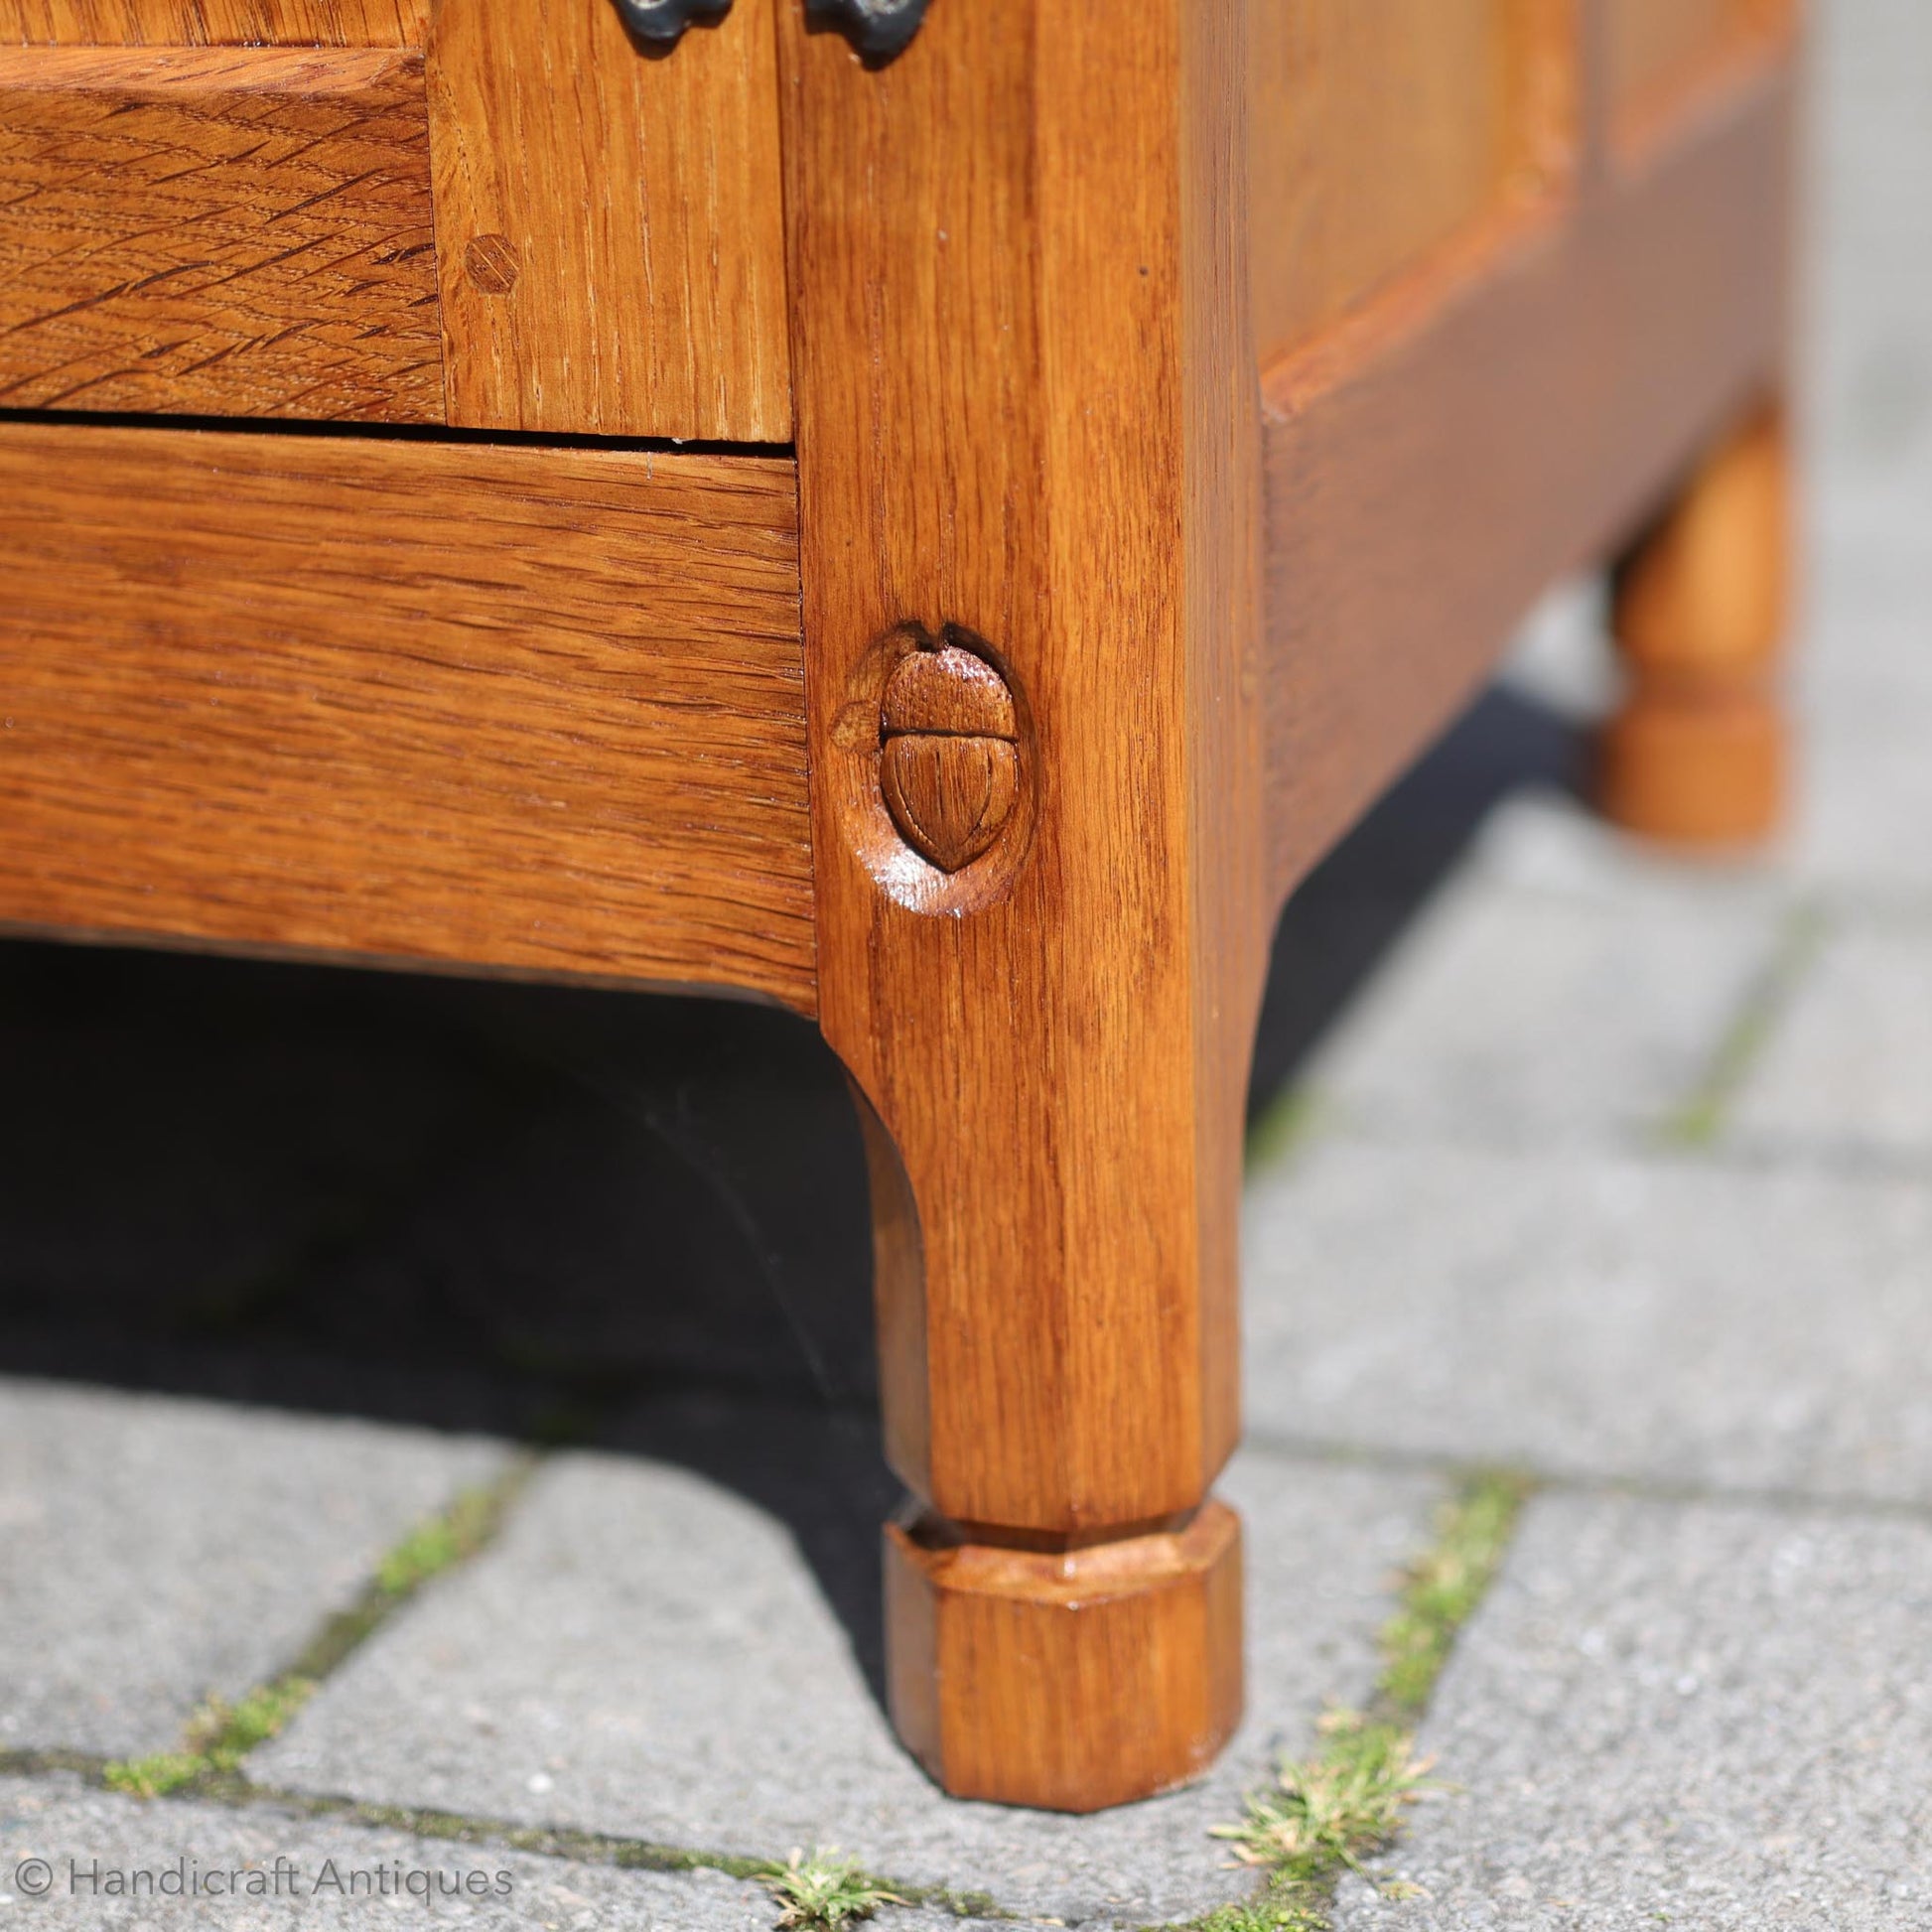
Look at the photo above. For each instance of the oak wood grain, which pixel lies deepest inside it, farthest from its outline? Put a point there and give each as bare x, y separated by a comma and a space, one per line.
539, 710
1139, 1638
613, 242
217, 232
215, 22
1586, 357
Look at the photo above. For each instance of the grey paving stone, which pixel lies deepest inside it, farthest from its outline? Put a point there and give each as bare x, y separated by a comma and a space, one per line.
646, 1654
1870, 171
151, 1551
1848, 1069
1863, 680
1871, 581
1677, 1322
1562, 656
1862, 674
1559, 848
324, 1871
1866, 802
1712, 1718
1512, 1015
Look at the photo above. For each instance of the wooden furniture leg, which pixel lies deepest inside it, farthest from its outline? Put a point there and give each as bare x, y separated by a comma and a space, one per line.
1697, 754
1028, 422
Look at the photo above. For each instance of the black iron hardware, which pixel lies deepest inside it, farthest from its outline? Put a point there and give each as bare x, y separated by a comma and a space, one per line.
666, 20
877, 26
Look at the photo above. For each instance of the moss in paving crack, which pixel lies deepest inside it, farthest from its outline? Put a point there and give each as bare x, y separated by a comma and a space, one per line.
1696, 1125
451, 1536
155, 1775
440, 1541
1442, 1586
1326, 1815
538, 1840
601, 1847
49, 1763
221, 1734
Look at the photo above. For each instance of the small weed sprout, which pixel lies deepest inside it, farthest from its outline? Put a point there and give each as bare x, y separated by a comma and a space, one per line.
1331, 1812
825, 1890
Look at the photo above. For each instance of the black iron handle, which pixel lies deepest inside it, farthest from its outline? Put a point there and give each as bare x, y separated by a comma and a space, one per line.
877, 26
664, 21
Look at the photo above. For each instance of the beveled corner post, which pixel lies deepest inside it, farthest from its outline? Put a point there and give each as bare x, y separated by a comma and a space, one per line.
1028, 420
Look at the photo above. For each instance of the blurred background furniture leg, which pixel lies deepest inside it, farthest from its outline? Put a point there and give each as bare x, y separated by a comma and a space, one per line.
1700, 753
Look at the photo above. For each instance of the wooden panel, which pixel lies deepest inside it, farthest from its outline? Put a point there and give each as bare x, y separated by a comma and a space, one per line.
1431, 472
217, 232
530, 709
213, 22
1379, 132
611, 223
1656, 51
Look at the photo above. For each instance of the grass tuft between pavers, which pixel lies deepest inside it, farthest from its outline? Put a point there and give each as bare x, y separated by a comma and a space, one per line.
1326, 1814
221, 1734
825, 1890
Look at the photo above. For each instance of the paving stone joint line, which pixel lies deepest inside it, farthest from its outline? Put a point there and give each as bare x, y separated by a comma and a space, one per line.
1442, 1587
1698, 1123
1849, 1504
1306, 1115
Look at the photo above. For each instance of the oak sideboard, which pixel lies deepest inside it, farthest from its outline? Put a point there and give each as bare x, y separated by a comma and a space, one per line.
934, 513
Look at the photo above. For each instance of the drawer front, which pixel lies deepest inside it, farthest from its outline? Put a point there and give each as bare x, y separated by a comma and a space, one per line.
535, 709
510, 218
213, 22
217, 232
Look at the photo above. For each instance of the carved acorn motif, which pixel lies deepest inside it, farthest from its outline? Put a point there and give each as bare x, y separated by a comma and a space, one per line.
949, 757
